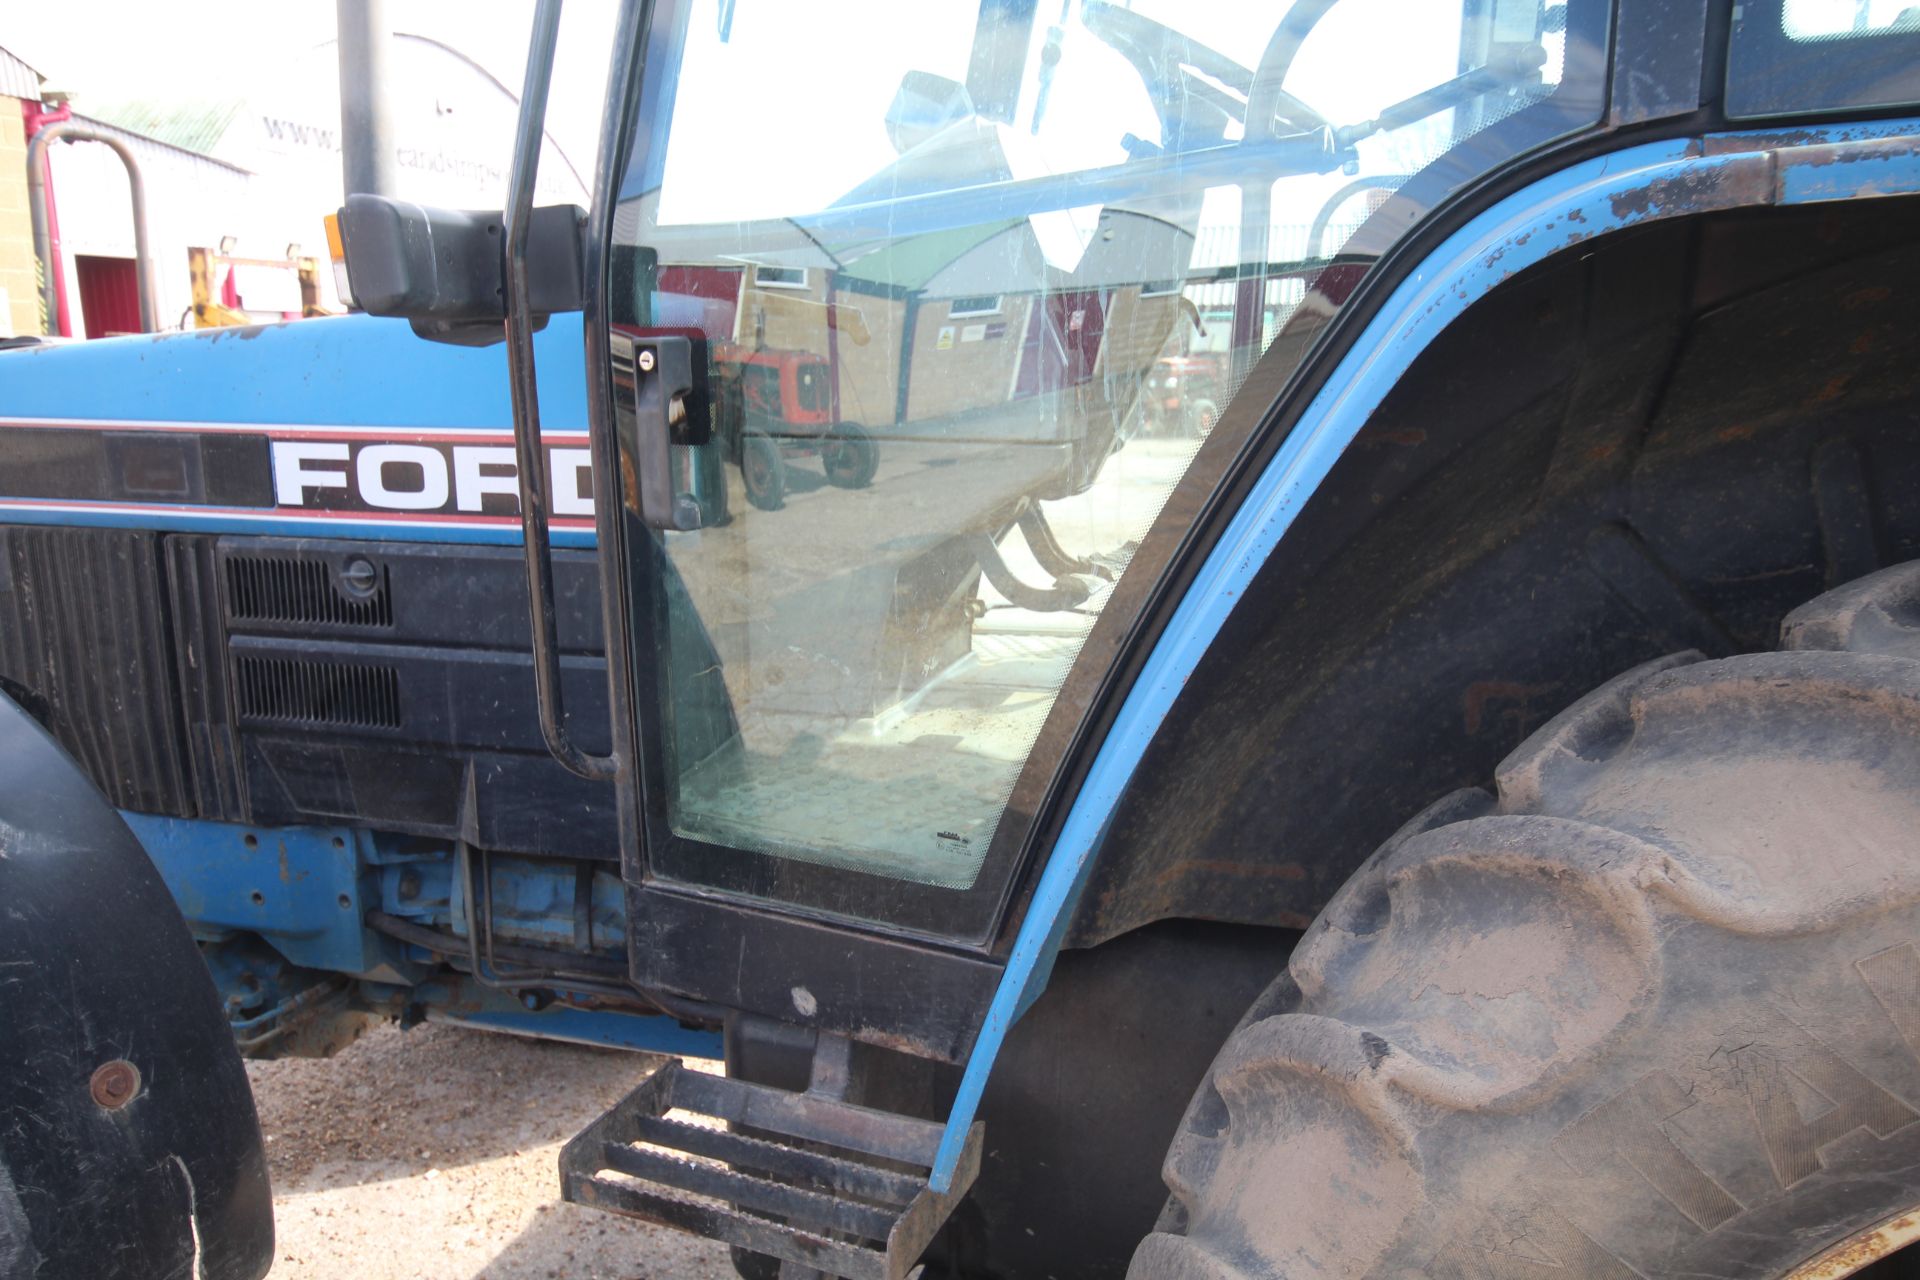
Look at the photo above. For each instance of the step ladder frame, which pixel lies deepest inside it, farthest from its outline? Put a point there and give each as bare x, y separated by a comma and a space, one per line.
826, 1199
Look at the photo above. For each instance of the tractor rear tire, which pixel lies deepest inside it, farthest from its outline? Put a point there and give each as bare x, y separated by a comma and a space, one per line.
763, 469
851, 456
1650, 1010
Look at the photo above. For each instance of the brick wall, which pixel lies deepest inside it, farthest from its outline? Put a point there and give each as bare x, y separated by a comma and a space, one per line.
17, 274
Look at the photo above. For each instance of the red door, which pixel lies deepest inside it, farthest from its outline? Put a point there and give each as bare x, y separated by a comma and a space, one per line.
109, 295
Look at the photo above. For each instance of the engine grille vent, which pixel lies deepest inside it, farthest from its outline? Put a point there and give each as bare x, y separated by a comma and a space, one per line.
280, 589
310, 692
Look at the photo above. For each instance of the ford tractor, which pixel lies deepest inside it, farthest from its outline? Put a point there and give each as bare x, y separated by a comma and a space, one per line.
1456, 813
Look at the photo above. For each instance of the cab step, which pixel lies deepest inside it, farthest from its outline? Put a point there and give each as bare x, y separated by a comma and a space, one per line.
819, 1183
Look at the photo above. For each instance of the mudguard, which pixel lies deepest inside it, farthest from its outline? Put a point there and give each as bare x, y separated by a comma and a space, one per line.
128, 1141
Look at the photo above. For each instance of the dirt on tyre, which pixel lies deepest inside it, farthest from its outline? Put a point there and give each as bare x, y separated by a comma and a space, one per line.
1650, 1009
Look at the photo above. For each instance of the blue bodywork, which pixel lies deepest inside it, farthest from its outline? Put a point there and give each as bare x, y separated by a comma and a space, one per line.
306, 892
353, 373
357, 370
305, 889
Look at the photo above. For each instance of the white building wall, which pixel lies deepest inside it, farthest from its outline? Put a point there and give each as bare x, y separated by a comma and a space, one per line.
276, 172
191, 201
453, 131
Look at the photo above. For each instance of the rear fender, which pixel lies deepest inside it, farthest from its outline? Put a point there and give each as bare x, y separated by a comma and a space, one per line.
1609, 193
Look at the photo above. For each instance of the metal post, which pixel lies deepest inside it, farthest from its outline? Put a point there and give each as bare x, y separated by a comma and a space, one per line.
366, 125
42, 241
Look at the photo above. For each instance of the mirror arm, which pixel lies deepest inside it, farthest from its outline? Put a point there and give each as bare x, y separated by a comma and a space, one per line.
520, 327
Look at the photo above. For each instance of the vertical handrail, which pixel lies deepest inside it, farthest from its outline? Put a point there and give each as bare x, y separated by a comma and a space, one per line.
73, 131
526, 402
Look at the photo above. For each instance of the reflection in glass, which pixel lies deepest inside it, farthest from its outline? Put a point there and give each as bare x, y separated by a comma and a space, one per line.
972, 295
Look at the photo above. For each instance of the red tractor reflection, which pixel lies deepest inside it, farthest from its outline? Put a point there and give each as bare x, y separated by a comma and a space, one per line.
773, 406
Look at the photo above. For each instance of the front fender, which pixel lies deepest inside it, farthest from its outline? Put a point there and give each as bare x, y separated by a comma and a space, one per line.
128, 1141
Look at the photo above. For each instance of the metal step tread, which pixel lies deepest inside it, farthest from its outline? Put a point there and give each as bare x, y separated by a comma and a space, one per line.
870, 1182
818, 1182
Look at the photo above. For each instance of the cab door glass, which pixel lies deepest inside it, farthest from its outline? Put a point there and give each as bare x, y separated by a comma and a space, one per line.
975, 281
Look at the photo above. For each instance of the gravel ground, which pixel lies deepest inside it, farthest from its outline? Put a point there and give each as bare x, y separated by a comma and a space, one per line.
433, 1155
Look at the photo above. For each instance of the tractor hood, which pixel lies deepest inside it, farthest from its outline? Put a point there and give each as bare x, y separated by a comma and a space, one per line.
342, 426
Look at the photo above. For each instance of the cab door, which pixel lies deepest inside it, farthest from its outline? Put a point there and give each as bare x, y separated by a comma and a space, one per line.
955, 287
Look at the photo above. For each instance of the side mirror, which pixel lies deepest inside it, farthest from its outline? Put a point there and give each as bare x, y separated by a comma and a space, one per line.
445, 269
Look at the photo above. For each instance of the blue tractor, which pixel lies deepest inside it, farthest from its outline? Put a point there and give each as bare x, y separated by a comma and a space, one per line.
1456, 813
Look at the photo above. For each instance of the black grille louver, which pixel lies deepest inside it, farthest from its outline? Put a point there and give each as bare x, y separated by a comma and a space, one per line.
84, 640
307, 691
283, 589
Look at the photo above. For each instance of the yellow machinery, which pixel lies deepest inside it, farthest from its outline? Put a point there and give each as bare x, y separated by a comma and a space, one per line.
209, 312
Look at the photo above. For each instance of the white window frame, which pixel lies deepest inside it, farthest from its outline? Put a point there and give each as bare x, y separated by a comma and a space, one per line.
761, 282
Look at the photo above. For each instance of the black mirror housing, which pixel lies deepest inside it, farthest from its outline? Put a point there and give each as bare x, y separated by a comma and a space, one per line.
445, 269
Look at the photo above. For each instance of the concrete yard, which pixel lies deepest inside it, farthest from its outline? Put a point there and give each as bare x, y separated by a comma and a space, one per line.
432, 1155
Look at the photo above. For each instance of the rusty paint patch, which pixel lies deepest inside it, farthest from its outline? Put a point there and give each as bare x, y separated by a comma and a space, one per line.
1846, 150
1812, 164
1738, 183
1728, 144
891, 1040
1853, 1255
1820, 155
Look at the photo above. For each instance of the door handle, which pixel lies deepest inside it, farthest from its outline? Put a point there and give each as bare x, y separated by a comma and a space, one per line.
653, 397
